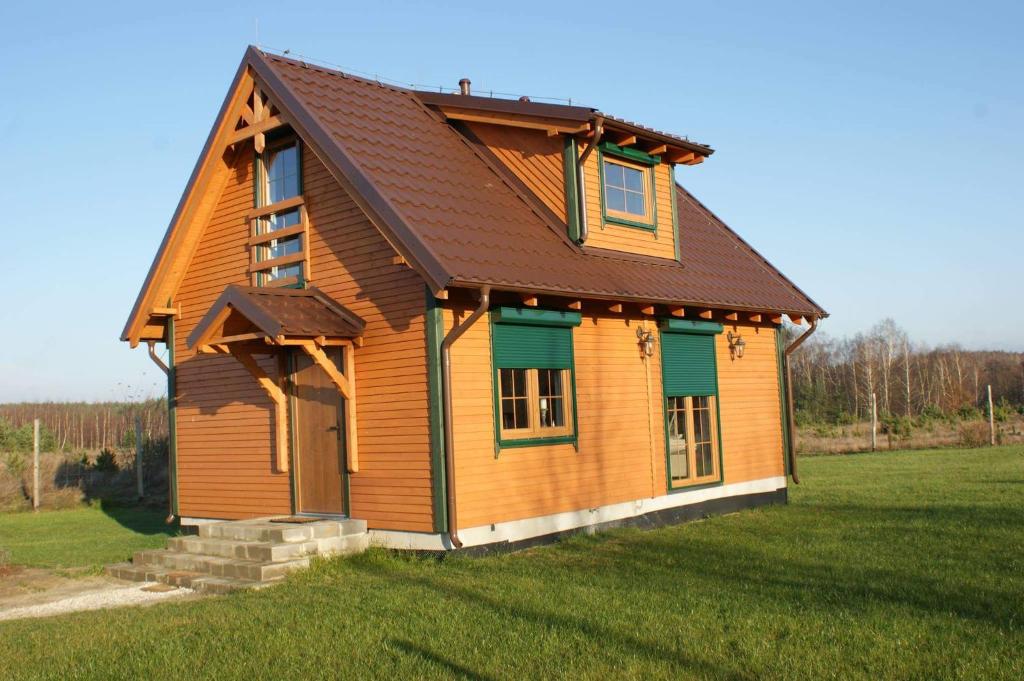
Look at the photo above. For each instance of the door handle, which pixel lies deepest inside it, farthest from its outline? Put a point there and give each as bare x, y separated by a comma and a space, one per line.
333, 429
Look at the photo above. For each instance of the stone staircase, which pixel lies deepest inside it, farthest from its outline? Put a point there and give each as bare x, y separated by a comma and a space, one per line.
244, 554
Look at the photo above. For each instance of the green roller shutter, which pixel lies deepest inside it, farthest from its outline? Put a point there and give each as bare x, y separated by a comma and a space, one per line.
688, 364
522, 346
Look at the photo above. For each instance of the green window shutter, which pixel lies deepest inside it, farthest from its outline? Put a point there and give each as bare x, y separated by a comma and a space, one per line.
522, 346
688, 364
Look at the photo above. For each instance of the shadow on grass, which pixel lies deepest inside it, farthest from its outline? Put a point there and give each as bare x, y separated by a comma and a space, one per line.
454, 668
602, 637
140, 519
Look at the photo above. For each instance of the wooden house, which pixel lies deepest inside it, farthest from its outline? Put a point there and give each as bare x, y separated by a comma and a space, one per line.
468, 321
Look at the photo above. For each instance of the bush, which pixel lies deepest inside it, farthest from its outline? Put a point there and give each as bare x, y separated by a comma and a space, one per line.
968, 412
897, 426
973, 434
105, 462
1003, 411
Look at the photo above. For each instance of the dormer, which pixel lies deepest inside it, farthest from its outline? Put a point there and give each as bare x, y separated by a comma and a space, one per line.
608, 181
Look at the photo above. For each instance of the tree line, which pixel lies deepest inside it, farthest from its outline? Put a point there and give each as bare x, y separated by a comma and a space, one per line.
80, 426
834, 378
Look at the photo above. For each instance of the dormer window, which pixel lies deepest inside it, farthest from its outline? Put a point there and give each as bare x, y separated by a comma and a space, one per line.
279, 239
627, 187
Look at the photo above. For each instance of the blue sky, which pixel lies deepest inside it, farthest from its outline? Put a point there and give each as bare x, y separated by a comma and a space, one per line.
872, 151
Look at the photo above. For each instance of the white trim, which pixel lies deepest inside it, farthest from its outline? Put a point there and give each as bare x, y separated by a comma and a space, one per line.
199, 521
518, 530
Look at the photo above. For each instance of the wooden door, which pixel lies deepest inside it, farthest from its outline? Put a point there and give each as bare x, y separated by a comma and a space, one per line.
317, 423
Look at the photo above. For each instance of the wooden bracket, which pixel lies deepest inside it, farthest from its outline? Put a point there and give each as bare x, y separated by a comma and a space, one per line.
677, 311
280, 400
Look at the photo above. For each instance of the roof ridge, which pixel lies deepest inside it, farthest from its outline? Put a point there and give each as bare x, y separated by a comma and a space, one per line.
301, 63
762, 261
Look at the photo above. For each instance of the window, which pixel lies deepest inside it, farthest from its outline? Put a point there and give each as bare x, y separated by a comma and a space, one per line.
689, 376
692, 440
533, 376
279, 232
628, 192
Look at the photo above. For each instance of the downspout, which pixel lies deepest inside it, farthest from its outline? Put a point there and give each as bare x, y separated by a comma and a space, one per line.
446, 400
581, 185
156, 360
790, 417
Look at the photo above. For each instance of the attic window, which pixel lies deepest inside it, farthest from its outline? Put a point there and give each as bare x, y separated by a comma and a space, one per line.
627, 188
279, 238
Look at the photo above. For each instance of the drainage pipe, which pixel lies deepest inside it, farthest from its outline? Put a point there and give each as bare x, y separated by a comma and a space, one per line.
581, 185
790, 417
446, 399
156, 359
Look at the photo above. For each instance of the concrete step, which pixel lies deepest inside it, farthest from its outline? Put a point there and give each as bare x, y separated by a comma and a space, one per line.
180, 578
262, 530
218, 566
267, 551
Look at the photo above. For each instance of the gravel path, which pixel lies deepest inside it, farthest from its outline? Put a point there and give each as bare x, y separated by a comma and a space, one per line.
112, 596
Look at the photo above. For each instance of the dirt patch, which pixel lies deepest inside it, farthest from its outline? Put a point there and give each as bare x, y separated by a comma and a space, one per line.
35, 592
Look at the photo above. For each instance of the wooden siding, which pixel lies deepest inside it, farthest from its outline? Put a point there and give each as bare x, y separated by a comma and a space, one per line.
750, 407
621, 425
631, 239
224, 420
535, 158
614, 462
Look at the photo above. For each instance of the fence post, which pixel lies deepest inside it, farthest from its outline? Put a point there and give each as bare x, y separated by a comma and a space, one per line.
874, 422
35, 464
138, 455
991, 419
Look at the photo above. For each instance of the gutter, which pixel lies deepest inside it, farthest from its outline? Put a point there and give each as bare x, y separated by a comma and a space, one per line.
446, 399
581, 186
790, 417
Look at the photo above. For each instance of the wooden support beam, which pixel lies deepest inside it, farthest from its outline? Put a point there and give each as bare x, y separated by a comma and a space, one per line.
625, 140
318, 356
696, 160
647, 310
657, 150
677, 311
732, 317
529, 300
280, 400
756, 318
575, 305
256, 130
615, 307
166, 312
705, 314
399, 260
442, 294
775, 319
680, 157
795, 318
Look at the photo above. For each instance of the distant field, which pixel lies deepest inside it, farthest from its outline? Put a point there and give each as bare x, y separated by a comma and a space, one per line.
889, 565
829, 439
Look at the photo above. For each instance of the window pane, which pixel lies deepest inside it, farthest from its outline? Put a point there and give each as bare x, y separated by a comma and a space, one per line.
506, 383
551, 404
613, 174
281, 247
702, 436
279, 221
635, 203
282, 173
615, 199
274, 273
634, 179
679, 465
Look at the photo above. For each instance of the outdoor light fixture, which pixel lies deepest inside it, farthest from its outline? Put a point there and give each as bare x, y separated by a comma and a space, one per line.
645, 341
736, 345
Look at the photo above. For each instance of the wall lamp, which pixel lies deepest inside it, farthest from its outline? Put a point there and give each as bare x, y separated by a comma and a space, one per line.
645, 339
736, 345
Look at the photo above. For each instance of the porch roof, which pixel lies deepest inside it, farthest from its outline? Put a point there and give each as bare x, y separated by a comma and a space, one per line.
245, 313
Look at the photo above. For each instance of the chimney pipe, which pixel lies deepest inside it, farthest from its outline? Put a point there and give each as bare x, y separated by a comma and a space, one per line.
464, 86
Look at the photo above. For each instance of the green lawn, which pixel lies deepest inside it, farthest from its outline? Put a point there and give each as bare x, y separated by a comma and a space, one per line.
81, 537
896, 565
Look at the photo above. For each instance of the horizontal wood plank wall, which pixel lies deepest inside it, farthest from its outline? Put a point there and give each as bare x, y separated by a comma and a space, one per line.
749, 405
353, 264
614, 463
535, 158
630, 239
224, 420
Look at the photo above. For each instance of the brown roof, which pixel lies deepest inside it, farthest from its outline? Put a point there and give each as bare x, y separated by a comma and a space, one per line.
460, 220
573, 114
285, 312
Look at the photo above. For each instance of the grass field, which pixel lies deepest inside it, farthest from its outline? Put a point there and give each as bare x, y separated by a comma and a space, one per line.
89, 536
895, 565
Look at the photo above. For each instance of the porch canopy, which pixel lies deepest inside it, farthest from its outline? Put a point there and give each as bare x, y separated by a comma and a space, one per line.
247, 320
